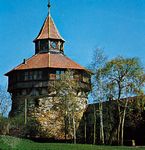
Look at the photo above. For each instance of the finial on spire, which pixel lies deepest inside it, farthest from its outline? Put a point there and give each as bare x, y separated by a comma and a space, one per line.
49, 5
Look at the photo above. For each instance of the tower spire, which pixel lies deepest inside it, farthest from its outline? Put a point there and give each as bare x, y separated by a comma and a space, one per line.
49, 38
49, 6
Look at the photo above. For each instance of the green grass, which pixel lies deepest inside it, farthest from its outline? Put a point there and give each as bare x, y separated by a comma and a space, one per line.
11, 143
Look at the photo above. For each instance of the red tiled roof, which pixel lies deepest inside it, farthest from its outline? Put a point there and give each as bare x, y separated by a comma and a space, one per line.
46, 60
49, 30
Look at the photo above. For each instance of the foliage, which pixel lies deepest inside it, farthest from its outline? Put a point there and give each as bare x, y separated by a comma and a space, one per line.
5, 102
123, 78
68, 103
16, 125
4, 125
118, 79
19, 129
17, 121
134, 123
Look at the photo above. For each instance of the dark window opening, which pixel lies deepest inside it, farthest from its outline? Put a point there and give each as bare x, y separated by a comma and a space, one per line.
44, 45
32, 75
58, 74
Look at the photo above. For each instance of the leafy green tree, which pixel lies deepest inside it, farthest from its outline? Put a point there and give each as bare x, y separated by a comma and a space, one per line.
4, 125
5, 102
123, 77
68, 103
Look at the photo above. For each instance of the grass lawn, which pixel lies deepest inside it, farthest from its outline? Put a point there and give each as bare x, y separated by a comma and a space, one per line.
10, 143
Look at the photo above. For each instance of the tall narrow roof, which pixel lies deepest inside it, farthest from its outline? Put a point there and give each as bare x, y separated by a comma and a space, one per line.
49, 30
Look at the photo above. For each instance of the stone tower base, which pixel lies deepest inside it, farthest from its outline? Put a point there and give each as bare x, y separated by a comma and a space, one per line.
43, 118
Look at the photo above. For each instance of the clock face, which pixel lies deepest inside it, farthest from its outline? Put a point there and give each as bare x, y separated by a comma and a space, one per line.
53, 44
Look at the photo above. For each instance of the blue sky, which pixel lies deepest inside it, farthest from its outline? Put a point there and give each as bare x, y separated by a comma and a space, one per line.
117, 26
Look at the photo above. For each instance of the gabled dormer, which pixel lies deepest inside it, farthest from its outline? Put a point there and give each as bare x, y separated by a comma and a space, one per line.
49, 38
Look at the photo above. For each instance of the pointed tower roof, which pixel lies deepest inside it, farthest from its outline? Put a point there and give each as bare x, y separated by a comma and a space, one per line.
49, 30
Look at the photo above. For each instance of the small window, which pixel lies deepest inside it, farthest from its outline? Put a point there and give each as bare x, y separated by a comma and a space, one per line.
18, 77
58, 73
26, 76
30, 75
62, 72
35, 75
44, 46
39, 75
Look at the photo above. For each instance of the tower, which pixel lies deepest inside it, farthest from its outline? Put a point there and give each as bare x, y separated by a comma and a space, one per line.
29, 83
49, 39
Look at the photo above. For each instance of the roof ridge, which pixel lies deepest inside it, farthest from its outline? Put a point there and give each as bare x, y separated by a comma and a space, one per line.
56, 28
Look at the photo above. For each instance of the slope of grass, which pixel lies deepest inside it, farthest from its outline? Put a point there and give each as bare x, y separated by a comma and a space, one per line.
11, 143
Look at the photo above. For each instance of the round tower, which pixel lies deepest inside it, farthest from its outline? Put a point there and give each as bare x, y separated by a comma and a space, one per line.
30, 83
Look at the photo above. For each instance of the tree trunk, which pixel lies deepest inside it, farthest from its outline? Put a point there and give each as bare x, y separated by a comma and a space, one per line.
101, 124
118, 131
65, 119
8, 128
25, 111
94, 139
85, 130
112, 135
122, 125
119, 124
119, 116
74, 129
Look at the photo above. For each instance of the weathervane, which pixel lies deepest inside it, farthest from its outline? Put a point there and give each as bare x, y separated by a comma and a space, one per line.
49, 5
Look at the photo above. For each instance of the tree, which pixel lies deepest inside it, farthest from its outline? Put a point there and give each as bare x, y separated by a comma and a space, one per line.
98, 62
68, 103
5, 102
124, 77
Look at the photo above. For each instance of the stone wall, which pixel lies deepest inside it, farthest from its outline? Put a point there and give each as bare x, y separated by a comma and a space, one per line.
44, 118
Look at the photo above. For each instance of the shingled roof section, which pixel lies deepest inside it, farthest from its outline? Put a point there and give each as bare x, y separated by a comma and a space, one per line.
49, 30
47, 60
